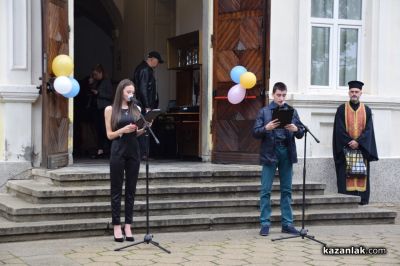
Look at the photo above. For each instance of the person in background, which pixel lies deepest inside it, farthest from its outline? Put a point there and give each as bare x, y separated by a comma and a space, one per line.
103, 94
353, 128
120, 120
145, 82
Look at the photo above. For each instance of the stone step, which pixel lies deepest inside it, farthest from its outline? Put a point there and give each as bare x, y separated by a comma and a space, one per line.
12, 231
44, 192
18, 210
101, 176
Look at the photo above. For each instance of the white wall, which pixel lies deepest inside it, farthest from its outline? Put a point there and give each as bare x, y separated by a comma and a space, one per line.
284, 43
380, 68
36, 74
290, 51
3, 63
20, 66
3, 41
188, 16
385, 54
207, 82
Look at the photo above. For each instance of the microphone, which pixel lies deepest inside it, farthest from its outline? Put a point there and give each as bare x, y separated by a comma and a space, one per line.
132, 100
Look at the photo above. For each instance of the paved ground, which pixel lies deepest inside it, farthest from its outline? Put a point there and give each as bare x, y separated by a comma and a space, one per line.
235, 247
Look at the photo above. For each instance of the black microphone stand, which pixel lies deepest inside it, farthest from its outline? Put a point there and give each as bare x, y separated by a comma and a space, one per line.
303, 232
148, 238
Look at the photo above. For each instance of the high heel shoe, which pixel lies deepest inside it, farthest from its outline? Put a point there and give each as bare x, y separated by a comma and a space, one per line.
128, 238
118, 239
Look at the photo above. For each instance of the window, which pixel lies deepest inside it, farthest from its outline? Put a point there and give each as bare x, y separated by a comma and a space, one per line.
335, 42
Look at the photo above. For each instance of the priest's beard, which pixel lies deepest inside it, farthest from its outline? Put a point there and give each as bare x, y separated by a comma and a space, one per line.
354, 100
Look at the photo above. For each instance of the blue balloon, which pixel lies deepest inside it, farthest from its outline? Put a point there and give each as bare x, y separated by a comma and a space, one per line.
75, 89
236, 72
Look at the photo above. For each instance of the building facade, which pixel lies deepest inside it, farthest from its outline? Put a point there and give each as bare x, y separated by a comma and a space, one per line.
315, 47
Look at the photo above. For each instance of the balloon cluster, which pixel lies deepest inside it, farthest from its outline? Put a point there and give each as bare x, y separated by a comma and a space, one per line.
62, 67
244, 80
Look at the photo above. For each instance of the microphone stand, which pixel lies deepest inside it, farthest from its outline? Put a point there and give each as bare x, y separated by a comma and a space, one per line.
303, 232
148, 238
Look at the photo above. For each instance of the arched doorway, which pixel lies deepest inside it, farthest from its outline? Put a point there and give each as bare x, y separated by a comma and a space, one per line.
118, 38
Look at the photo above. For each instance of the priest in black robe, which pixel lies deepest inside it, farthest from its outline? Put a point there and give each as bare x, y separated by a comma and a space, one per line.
353, 128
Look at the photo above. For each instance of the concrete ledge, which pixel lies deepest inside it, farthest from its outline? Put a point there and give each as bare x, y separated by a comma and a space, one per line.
384, 178
96, 177
18, 210
13, 170
11, 231
36, 192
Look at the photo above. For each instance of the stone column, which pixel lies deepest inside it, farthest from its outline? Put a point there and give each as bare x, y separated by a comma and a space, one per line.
17, 90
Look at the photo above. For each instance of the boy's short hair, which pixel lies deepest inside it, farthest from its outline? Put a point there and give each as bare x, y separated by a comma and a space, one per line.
279, 86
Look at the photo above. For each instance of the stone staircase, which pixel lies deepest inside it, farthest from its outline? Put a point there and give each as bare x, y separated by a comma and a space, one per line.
74, 201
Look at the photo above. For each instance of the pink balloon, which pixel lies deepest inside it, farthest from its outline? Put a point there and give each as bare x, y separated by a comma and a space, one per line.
236, 94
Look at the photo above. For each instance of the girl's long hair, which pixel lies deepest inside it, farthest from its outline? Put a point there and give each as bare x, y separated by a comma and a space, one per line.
117, 104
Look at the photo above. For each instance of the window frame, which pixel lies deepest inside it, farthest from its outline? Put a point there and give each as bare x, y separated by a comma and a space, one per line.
335, 24
337, 83
321, 25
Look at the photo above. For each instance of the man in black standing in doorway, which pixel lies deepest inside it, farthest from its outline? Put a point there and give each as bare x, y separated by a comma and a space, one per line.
146, 89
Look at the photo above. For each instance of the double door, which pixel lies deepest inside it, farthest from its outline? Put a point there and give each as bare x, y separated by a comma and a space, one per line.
241, 37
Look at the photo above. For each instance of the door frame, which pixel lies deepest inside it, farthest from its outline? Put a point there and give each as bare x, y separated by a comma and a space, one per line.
50, 98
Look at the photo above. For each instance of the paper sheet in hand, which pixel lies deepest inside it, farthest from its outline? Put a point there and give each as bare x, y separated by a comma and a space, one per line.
283, 115
149, 116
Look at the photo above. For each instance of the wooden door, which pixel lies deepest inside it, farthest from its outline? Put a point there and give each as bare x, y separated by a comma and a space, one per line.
241, 37
55, 35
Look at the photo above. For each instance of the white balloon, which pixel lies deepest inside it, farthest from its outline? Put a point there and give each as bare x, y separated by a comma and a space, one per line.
236, 94
63, 85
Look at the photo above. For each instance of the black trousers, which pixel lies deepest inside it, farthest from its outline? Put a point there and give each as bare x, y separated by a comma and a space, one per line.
119, 165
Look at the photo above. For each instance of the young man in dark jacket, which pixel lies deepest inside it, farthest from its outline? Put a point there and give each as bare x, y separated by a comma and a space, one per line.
146, 90
278, 150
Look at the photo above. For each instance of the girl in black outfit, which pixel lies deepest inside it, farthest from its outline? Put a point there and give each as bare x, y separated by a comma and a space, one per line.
120, 121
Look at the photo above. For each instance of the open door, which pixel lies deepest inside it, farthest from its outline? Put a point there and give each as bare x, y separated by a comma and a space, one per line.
241, 37
55, 34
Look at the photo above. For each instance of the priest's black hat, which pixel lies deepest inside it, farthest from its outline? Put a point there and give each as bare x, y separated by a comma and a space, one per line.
355, 84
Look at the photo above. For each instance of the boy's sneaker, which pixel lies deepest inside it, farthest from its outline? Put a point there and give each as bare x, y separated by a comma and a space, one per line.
290, 229
264, 230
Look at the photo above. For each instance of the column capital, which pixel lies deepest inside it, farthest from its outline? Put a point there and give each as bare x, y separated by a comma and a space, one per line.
18, 93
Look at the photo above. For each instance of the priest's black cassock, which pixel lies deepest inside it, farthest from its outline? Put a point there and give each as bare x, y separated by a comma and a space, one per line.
366, 143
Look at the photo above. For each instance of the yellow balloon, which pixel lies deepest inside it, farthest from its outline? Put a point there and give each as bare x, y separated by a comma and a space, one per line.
62, 65
248, 80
